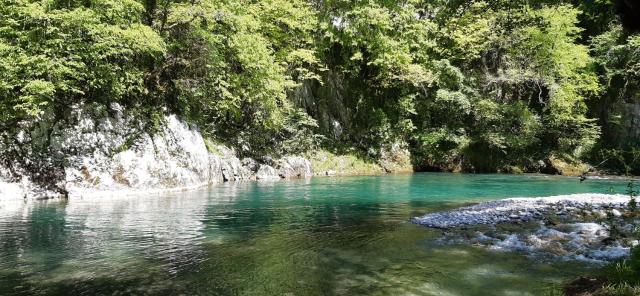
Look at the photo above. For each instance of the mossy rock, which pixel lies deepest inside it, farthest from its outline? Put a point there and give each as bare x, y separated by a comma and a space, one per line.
342, 165
561, 166
511, 169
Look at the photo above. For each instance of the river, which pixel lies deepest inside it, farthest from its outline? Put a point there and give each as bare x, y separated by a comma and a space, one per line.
320, 236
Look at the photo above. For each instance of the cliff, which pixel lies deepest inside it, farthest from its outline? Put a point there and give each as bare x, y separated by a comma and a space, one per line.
98, 151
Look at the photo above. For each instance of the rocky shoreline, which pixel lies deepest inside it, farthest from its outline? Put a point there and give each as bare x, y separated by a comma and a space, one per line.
591, 227
522, 209
96, 152
100, 151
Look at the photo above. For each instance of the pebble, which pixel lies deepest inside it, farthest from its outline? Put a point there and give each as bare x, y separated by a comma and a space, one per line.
616, 213
601, 214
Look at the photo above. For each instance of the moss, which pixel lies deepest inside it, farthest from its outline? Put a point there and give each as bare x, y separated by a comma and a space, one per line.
567, 167
512, 169
324, 162
212, 146
128, 143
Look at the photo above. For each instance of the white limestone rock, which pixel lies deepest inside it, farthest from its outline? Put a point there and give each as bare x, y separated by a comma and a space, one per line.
99, 151
8, 189
294, 167
616, 213
267, 172
173, 158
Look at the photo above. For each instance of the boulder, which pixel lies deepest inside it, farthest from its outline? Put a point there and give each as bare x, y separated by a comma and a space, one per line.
560, 166
616, 213
267, 172
250, 164
233, 170
294, 167
396, 158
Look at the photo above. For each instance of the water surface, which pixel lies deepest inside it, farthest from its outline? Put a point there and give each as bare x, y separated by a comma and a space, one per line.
323, 236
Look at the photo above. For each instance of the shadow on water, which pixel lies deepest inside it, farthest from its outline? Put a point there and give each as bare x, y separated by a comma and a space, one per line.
325, 236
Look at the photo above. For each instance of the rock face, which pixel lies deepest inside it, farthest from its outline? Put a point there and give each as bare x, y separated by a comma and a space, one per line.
267, 172
175, 157
106, 151
7, 187
294, 167
396, 158
630, 128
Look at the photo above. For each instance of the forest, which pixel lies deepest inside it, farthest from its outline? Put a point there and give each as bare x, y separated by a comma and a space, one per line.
479, 85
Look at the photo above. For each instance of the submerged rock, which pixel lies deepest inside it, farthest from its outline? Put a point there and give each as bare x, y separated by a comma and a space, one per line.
570, 243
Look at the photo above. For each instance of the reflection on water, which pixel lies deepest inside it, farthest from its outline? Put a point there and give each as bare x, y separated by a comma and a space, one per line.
324, 236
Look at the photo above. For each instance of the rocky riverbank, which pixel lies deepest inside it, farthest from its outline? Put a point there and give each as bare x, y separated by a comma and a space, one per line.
595, 227
97, 152
110, 151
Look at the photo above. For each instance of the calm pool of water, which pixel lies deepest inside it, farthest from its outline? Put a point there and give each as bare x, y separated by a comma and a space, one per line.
323, 236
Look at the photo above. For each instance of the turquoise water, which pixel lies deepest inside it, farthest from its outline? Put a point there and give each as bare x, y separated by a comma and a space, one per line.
323, 236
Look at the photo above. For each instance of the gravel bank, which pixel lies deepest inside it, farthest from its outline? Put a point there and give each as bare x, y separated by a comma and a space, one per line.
521, 209
585, 227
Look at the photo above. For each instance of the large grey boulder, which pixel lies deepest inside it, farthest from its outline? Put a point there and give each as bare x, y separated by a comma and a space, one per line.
294, 167
267, 172
396, 158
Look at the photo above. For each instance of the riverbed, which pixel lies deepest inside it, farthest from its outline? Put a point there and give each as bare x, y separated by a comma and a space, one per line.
319, 236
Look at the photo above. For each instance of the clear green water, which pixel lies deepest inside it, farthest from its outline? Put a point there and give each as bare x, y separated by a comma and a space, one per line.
324, 236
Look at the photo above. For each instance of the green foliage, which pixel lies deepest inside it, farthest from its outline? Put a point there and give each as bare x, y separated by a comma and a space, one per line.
478, 85
226, 65
344, 164
512, 88
623, 160
633, 193
617, 57
231, 64
623, 277
54, 56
